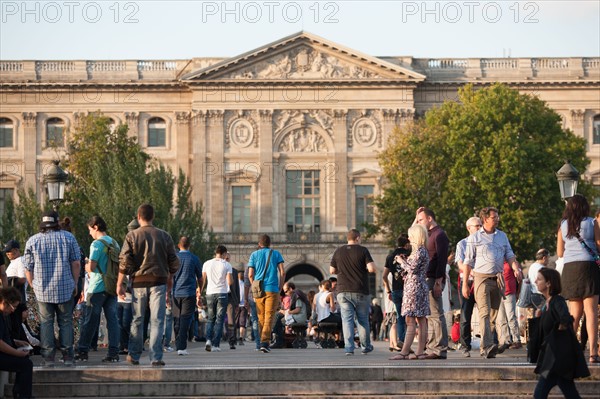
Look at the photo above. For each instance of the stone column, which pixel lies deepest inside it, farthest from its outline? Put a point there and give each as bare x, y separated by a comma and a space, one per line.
268, 168
30, 147
181, 140
577, 116
198, 160
390, 121
214, 171
132, 119
339, 211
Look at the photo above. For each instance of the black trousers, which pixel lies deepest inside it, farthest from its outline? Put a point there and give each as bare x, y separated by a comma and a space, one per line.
23, 366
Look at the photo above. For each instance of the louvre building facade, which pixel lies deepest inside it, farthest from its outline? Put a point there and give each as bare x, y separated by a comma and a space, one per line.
282, 139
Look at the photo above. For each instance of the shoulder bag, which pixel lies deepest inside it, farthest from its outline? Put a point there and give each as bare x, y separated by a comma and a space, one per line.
258, 286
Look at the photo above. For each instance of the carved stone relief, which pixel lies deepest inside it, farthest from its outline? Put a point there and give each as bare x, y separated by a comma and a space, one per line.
241, 128
322, 118
365, 128
302, 140
303, 63
577, 117
29, 119
365, 132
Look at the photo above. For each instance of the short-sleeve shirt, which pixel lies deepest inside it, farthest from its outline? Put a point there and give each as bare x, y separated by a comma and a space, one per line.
350, 262
395, 270
216, 271
258, 261
99, 254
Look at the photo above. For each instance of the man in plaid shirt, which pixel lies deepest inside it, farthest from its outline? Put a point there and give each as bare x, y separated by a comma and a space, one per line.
51, 261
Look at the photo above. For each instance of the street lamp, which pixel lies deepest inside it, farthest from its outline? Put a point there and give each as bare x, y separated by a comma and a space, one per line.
55, 180
567, 177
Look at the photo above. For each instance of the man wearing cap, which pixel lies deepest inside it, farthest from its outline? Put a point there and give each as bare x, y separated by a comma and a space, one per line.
15, 272
52, 265
485, 254
148, 257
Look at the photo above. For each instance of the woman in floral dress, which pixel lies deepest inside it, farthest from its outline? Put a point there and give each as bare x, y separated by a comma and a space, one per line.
415, 301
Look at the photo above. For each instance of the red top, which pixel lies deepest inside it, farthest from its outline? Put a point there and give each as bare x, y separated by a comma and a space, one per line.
509, 280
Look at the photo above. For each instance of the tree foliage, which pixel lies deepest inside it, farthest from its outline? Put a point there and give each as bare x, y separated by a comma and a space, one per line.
110, 175
29, 215
496, 147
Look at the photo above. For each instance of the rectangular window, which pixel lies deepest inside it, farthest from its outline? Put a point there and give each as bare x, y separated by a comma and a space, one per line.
303, 196
241, 209
6, 135
596, 132
364, 206
157, 134
54, 136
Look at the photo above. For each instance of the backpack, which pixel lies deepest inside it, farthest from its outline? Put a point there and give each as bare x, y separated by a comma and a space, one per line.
112, 267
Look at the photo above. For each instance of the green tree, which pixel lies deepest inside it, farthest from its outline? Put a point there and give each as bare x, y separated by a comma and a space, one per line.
495, 147
21, 219
110, 175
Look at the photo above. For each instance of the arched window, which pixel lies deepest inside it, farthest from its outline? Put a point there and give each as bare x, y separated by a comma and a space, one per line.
596, 131
157, 132
55, 132
6, 133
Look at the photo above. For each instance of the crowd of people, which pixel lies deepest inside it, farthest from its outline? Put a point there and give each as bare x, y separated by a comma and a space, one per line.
161, 287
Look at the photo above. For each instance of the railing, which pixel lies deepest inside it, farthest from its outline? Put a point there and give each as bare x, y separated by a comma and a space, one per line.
447, 64
106, 66
11, 66
55, 66
157, 66
499, 63
591, 63
549, 63
286, 238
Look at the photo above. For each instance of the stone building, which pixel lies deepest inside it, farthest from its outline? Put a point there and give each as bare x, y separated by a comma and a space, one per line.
282, 139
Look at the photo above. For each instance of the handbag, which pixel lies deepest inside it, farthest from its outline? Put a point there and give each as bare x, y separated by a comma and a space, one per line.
525, 295
590, 250
534, 343
258, 286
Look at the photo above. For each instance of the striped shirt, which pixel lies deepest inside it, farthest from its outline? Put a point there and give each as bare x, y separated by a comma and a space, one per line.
486, 253
48, 256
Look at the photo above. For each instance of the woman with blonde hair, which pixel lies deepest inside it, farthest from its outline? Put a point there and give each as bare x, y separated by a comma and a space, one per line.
415, 301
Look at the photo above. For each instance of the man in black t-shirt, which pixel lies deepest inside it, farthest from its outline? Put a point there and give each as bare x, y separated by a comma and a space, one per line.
352, 263
394, 293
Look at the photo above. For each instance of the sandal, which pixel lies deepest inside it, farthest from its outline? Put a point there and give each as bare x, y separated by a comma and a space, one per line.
594, 359
400, 356
414, 356
395, 348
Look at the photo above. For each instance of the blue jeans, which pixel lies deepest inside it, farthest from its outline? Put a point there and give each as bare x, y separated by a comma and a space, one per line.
217, 306
545, 385
124, 315
168, 326
254, 321
351, 304
155, 298
64, 317
95, 304
401, 324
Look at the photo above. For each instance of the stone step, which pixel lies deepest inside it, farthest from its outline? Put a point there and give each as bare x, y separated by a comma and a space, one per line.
280, 388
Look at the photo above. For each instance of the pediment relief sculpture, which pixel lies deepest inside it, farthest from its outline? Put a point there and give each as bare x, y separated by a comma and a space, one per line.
303, 63
322, 118
303, 140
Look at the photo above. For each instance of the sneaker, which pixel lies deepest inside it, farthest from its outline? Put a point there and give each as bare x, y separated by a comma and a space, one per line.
216, 349
81, 357
349, 353
502, 348
265, 349
68, 361
158, 363
132, 361
466, 352
367, 350
241, 342
231, 345
111, 359
183, 352
197, 339
208, 346
123, 352
168, 349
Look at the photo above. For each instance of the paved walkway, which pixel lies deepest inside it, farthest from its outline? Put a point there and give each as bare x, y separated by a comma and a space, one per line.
246, 357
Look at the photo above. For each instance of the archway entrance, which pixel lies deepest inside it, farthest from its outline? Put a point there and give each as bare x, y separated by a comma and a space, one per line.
305, 276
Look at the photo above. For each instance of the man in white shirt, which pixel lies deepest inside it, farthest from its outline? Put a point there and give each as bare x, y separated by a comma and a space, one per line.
216, 277
15, 272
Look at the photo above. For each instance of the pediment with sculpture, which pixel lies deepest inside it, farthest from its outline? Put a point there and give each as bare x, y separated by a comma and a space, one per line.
303, 139
304, 57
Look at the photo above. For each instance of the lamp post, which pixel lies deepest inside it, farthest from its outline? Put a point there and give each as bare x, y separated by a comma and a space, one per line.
55, 180
567, 177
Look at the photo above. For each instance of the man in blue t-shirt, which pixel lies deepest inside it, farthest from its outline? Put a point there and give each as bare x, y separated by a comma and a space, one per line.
273, 276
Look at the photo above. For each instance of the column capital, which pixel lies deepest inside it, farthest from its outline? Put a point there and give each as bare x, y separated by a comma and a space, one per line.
29, 119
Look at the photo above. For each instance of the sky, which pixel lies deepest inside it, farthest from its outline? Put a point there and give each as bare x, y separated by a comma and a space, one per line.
144, 30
